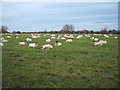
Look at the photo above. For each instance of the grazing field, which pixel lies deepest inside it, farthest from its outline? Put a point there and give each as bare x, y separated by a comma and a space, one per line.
78, 64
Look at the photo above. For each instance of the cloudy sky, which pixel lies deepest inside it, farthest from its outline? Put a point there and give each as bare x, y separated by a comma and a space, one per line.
40, 16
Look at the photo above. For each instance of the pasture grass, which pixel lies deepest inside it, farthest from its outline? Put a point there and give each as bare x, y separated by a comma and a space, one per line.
73, 65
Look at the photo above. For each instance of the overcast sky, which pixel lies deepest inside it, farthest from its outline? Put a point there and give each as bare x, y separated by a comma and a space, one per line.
40, 16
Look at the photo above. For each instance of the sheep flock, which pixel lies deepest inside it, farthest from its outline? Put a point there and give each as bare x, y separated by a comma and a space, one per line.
68, 38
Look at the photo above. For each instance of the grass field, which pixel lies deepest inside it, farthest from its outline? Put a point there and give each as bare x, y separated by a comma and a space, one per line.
73, 65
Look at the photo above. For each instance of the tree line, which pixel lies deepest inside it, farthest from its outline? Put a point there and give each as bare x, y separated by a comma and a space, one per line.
67, 29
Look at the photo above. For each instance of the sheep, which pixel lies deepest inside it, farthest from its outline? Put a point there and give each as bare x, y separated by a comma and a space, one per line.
4, 41
106, 35
69, 40
48, 40
16, 37
97, 44
33, 45
62, 38
57, 43
69, 36
28, 39
80, 36
8, 36
47, 47
52, 37
96, 39
38, 35
1, 44
100, 43
22, 43
33, 36
115, 37
92, 37
87, 35
59, 36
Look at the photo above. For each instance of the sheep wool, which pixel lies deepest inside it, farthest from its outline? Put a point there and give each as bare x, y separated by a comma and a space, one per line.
32, 45
47, 47
22, 43
69, 40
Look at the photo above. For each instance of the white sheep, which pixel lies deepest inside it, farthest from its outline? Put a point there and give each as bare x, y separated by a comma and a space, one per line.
106, 35
1, 44
33, 45
97, 44
57, 43
47, 47
16, 37
80, 36
96, 39
101, 41
28, 39
92, 37
33, 36
22, 43
59, 36
52, 37
8, 36
115, 37
2, 38
69, 40
4, 41
62, 38
48, 40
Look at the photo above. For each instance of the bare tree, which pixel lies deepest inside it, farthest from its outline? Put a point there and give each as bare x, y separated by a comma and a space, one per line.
67, 28
4, 29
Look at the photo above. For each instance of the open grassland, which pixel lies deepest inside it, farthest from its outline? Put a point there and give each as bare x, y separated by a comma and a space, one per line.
73, 65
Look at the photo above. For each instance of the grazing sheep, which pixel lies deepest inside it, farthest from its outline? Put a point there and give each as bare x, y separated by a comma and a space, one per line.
33, 36
92, 37
80, 36
47, 47
57, 43
97, 44
69, 40
28, 39
106, 35
4, 41
16, 37
62, 38
8, 36
59, 36
115, 37
69, 36
33, 45
101, 41
22, 43
48, 40
53, 35
96, 39
1, 44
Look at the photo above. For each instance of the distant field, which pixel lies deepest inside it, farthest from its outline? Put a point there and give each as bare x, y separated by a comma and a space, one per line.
73, 65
